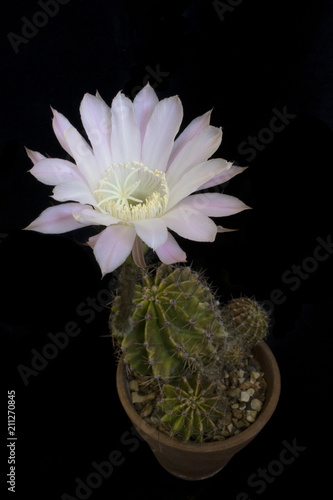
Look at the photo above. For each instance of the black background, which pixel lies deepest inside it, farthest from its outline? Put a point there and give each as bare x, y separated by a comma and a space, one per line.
246, 60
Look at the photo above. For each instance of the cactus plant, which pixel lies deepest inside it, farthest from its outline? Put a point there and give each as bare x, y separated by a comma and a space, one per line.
176, 324
180, 336
190, 408
246, 323
187, 352
248, 318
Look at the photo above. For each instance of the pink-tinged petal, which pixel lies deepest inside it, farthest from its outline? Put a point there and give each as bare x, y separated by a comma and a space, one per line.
58, 219
76, 147
195, 151
83, 156
92, 217
34, 155
213, 204
96, 119
152, 231
143, 105
113, 246
193, 129
53, 171
190, 225
170, 252
74, 191
228, 173
93, 240
193, 179
161, 130
60, 125
125, 133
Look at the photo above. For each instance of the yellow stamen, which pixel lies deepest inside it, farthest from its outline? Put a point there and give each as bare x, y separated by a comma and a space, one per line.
145, 198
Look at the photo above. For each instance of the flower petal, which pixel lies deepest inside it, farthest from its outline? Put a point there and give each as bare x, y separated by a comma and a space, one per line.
187, 135
213, 204
228, 173
76, 147
93, 240
83, 156
60, 125
143, 105
89, 216
125, 133
34, 155
74, 191
53, 171
113, 246
58, 219
193, 179
170, 252
191, 225
161, 130
96, 119
152, 231
195, 151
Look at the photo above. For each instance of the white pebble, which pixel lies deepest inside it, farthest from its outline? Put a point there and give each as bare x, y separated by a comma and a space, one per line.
245, 396
256, 404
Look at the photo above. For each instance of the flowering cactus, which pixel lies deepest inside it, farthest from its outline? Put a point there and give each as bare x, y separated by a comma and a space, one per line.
176, 324
138, 181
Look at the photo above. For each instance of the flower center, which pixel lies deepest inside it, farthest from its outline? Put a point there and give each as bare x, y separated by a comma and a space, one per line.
132, 192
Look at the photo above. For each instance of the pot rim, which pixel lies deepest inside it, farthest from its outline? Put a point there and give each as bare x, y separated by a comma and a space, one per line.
261, 350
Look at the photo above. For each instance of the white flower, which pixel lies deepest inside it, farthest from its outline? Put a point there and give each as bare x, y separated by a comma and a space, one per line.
135, 178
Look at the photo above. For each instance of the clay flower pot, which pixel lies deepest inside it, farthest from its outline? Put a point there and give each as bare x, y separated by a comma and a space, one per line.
194, 461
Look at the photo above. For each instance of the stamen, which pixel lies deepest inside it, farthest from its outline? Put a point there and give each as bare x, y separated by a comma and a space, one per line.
144, 198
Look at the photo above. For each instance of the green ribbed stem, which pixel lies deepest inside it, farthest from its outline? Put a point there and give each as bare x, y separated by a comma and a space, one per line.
176, 324
189, 408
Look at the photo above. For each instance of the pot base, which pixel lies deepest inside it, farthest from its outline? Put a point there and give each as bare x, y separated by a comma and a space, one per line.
190, 476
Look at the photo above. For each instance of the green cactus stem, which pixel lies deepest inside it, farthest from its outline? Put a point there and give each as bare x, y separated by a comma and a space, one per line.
189, 408
246, 322
233, 353
176, 324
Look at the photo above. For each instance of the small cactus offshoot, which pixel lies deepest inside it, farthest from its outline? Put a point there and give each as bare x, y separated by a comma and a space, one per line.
190, 408
246, 321
176, 324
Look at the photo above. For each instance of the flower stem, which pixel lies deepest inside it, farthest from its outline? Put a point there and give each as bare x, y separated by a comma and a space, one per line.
120, 322
126, 286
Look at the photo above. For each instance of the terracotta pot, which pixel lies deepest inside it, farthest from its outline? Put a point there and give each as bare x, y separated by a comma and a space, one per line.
194, 461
